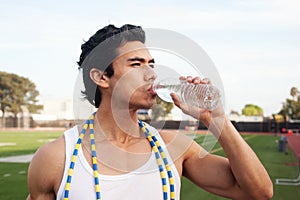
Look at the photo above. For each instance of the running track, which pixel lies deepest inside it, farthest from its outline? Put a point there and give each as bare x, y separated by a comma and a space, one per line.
294, 143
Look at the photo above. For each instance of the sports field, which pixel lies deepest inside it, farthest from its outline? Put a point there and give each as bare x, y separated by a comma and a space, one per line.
13, 175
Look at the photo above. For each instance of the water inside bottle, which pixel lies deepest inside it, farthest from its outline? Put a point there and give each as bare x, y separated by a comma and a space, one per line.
164, 94
165, 87
205, 96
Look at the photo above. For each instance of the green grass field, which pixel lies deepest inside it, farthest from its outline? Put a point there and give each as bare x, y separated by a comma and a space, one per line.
13, 175
25, 142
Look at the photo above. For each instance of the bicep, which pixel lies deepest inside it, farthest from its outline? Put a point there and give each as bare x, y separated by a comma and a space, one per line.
210, 172
41, 177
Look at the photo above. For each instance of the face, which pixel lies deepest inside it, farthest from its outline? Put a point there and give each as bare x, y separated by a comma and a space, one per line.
131, 84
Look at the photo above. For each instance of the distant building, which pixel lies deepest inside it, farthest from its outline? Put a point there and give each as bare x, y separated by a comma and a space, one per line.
243, 118
55, 109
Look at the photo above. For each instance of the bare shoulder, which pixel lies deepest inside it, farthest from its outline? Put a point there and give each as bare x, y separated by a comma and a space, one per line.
46, 169
177, 141
179, 146
50, 153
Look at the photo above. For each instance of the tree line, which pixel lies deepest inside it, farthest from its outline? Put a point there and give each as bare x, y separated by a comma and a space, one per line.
17, 93
290, 108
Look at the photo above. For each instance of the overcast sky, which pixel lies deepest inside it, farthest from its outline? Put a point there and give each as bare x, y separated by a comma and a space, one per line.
254, 44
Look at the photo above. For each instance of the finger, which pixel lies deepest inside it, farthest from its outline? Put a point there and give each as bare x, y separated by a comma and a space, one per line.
206, 81
176, 100
189, 79
189, 110
196, 80
182, 78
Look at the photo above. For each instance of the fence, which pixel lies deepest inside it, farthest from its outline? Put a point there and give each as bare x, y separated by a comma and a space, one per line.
267, 126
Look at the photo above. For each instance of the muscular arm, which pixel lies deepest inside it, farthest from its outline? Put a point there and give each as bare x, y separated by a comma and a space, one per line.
45, 171
239, 176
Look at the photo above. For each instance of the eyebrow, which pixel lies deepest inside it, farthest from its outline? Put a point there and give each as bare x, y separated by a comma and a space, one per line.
140, 60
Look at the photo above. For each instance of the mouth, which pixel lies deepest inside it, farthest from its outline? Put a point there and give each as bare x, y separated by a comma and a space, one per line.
151, 90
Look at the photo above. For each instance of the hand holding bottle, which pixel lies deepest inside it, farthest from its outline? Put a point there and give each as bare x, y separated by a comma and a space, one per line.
195, 92
193, 104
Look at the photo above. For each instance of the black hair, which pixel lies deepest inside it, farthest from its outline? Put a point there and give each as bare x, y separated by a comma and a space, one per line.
100, 51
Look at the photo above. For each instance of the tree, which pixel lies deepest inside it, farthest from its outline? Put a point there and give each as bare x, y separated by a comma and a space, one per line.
291, 107
252, 110
294, 93
161, 109
15, 92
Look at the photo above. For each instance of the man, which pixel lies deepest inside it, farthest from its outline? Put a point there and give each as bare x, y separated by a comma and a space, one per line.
114, 156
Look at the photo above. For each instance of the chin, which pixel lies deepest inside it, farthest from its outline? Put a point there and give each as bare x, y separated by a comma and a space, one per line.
147, 105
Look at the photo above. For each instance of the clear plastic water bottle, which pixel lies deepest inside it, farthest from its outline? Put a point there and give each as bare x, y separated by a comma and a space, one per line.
205, 96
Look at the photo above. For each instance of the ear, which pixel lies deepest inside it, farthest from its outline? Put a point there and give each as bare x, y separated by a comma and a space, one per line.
99, 77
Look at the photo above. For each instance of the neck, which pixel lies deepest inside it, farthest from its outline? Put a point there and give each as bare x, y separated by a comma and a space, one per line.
117, 124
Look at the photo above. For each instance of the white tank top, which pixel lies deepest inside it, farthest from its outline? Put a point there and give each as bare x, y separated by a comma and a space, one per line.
143, 183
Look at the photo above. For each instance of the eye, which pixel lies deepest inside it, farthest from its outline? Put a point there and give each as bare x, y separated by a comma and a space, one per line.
152, 65
136, 64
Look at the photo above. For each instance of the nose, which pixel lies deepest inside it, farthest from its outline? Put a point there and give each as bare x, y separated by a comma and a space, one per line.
149, 74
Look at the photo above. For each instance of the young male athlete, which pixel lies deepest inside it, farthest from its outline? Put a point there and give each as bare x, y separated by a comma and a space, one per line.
113, 155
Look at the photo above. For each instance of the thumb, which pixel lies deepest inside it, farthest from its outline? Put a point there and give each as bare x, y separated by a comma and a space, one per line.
177, 101
186, 109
